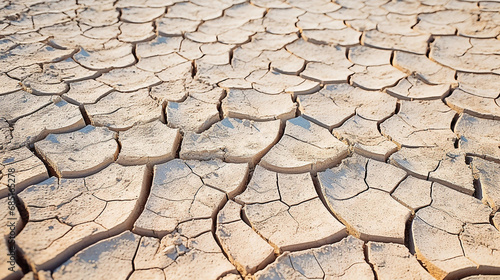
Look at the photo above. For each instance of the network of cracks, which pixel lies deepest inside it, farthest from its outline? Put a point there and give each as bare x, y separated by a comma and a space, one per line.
270, 139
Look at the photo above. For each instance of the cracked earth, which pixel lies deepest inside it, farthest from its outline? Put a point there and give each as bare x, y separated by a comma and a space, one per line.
257, 139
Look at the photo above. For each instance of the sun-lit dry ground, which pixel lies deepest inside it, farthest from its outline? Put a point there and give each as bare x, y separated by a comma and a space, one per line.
221, 139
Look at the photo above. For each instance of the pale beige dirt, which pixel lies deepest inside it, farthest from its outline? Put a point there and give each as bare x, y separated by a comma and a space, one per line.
250, 139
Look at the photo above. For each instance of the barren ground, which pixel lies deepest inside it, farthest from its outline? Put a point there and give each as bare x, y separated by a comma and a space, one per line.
261, 139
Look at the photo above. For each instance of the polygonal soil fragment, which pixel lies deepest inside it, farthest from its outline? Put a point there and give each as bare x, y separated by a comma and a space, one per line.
318, 53
186, 190
424, 68
120, 111
179, 71
87, 43
175, 26
437, 29
407, 8
325, 63
393, 176
21, 103
449, 18
267, 41
412, 88
345, 101
489, 181
193, 11
192, 114
414, 44
344, 37
364, 136
28, 54
255, 105
110, 258
57, 117
369, 213
420, 124
47, 83
286, 210
377, 77
483, 85
305, 146
69, 71
149, 143
397, 24
20, 73
9, 84
158, 63
189, 250
79, 153
343, 260
272, 82
179, 90
231, 139
393, 261
316, 6
139, 15
479, 137
462, 101
128, 79
174, 91
136, 32
366, 56
414, 193
185, 254
103, 32
201, 37
25, 167
445, 166
311, 20
66, 215
251, 255
286, 62
334, 72
117, 56
483, 26
159, 46
250, 11
235, 36
453, 237
468, 55
86, 91
99, 15
213, 74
